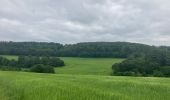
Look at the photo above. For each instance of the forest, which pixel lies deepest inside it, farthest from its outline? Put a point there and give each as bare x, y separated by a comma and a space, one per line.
86, 49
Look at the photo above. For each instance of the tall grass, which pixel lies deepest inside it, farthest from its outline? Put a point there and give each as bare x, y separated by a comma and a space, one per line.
31, 86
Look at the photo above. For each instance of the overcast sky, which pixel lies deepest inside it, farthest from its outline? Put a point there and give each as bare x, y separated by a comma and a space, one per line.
72, 21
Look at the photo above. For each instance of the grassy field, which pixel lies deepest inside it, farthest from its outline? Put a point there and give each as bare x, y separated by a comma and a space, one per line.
87, 66
81, 79
31, 86
84, 66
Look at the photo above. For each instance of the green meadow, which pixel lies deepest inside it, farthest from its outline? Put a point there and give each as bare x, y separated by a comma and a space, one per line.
87, 66
81, 79
83, 66
32, 86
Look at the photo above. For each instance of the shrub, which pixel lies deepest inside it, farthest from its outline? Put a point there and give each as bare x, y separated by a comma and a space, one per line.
158, 74
42, 69
166, 71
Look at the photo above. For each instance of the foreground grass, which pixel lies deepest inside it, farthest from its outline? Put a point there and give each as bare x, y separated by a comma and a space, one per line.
31, 86
83, 66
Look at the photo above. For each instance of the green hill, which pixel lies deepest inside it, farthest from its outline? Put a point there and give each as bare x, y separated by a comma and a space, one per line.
87, 66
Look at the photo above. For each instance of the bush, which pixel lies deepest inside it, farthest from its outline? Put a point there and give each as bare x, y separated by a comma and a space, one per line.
128, 73
166, 71
158, 74
42, 69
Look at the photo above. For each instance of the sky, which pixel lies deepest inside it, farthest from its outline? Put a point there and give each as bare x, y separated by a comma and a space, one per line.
73, 21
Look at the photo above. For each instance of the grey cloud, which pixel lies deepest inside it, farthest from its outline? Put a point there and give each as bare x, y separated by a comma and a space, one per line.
72, 21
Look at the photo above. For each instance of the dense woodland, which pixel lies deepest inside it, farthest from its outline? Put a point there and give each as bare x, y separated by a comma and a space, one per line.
89, 49
142, 60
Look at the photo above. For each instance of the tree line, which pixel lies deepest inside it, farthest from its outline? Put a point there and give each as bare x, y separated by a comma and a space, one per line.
88, 49
33, 63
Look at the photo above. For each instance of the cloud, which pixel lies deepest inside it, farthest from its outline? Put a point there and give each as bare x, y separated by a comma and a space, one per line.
72, 21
